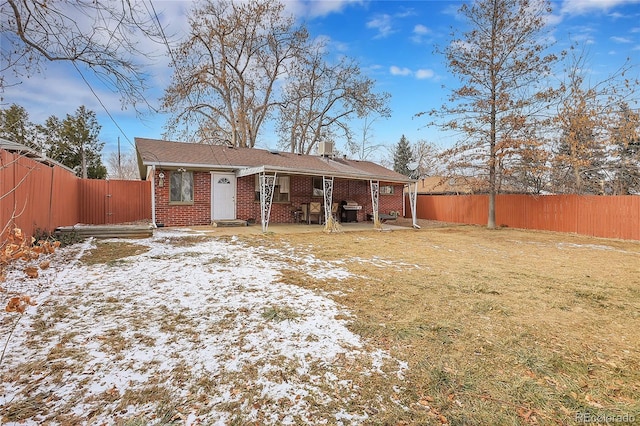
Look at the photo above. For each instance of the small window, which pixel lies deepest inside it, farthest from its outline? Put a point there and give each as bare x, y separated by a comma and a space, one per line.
318, 187
181, 190
386, 189
280, 191
224, 181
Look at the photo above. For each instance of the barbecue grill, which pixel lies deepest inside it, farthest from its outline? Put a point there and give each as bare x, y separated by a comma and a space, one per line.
349, 211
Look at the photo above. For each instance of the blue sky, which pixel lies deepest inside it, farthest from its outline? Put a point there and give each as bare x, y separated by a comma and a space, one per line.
392, 40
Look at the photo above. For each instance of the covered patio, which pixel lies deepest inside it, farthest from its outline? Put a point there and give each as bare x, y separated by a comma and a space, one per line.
332, 207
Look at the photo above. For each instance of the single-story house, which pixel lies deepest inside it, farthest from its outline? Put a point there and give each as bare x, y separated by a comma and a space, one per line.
198, 184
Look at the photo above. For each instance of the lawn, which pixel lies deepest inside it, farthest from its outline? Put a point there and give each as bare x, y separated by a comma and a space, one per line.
448, 325
497, 327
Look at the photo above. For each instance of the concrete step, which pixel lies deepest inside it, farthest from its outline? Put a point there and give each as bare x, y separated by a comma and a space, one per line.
229, 223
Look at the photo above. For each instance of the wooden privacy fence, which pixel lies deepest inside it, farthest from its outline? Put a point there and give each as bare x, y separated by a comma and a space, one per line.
43, 196
114, 201
594, 215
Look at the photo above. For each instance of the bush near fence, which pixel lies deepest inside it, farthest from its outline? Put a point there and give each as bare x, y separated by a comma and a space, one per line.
605, 216
43, 197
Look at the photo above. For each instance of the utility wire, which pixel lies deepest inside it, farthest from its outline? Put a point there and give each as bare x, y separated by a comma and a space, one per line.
104, 107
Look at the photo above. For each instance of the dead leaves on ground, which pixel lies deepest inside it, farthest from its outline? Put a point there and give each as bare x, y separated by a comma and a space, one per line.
16, 247
19, 304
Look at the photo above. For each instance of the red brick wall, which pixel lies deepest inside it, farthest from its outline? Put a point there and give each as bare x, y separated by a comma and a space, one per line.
196, 213
388, 203
199, 213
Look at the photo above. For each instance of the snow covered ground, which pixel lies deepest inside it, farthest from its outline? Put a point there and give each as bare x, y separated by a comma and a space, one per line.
193, 331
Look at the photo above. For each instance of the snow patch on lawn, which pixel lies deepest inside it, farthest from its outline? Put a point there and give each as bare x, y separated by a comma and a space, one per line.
201, 331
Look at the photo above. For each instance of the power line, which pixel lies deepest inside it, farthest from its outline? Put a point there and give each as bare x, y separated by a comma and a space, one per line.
104, 107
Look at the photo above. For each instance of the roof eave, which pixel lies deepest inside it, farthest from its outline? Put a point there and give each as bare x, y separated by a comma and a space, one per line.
165, 164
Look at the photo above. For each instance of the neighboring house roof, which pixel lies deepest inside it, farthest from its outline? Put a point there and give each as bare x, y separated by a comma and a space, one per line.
457, 185
449, 185
24, 150
248, 161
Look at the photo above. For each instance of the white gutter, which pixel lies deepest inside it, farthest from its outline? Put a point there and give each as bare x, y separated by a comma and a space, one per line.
309, 172
248, 171
189, 165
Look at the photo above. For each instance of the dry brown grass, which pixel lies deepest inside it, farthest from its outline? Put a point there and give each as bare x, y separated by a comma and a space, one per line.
111, 252
498, 327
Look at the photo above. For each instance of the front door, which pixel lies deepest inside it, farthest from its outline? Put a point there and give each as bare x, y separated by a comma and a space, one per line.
223, 196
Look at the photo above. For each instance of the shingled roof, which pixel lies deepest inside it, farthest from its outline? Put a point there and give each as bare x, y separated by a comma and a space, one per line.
245, 161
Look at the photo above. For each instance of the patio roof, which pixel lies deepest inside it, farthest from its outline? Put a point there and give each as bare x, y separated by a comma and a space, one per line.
249, 161
24, 150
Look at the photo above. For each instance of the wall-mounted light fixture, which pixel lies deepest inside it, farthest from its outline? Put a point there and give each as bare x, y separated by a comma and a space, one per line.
182, 170
161, 179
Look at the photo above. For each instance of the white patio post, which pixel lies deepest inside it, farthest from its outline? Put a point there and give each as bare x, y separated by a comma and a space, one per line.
267, 185
327, 184
413, 195
375, 193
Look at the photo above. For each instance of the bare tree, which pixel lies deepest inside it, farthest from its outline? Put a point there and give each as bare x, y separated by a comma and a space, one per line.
226, 70
102, 35
364, 147
320, 99
429, 159
123, 166
587, 120
500, 61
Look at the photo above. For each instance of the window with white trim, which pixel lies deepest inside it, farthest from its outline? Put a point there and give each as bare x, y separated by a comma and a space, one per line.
386, 189
318, 186
181, 187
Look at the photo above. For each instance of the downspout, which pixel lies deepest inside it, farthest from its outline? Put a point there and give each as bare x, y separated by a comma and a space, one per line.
404, 202
153, 196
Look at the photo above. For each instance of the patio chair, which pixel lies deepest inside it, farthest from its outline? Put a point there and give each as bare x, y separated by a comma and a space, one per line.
315, 210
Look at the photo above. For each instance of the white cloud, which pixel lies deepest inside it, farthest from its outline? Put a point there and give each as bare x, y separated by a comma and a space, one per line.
453, 9
423, 74
59, 91
381, 23
315, 9
553, 20
419, 33
399, 71
385, 23
421, 30
579, 7
620, 39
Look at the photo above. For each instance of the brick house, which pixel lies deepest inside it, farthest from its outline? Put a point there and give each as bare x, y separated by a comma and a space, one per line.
197, 184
